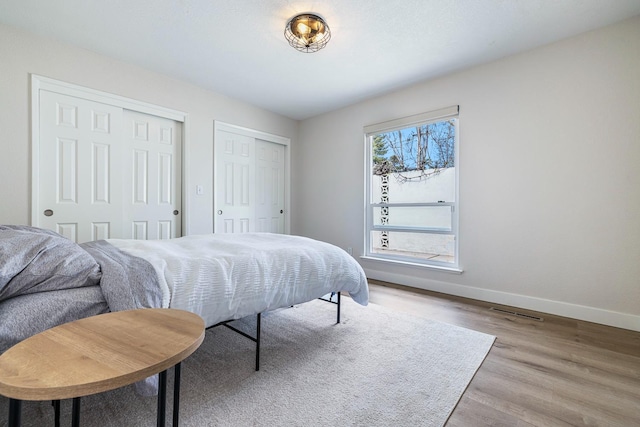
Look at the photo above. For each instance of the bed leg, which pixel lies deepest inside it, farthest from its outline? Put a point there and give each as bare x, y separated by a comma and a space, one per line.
338, 320
255, 339
258, 327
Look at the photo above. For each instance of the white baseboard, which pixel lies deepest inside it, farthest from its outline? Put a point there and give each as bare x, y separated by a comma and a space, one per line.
558, 308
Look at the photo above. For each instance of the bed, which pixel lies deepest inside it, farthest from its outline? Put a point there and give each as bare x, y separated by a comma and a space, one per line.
47, 280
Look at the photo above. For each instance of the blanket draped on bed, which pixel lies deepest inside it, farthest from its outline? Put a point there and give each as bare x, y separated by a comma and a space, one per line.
229, 276
47, 280
127, 282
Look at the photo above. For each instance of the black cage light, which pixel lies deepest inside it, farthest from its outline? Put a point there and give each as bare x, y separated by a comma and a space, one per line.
307, 32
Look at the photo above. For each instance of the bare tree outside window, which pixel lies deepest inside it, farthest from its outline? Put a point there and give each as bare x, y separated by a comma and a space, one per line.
428, 148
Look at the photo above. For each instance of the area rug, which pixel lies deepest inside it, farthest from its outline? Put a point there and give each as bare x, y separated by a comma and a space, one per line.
376, 368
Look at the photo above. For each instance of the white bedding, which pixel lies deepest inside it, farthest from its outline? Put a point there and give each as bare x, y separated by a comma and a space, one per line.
229, 276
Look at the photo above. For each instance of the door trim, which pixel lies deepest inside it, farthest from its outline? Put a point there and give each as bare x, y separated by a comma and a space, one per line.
39, 83
269, 137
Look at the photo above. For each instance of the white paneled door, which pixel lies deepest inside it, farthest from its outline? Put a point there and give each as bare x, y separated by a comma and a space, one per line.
80, 182
235, 183
250, 179
105, 172
269, 200
152, 190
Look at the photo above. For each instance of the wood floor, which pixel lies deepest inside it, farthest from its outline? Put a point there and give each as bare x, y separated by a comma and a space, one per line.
555, 372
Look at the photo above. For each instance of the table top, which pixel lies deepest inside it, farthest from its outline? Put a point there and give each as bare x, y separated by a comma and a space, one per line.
99, 353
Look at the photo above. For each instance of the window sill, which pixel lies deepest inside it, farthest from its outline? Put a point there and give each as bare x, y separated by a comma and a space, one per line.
454, 270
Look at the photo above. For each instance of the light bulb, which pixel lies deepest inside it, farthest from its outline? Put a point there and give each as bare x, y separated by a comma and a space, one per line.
302, 29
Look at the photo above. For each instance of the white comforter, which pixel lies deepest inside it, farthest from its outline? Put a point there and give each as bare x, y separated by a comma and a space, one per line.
229, 276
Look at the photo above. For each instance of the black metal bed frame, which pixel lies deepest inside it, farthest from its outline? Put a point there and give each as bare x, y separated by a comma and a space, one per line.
163, 375
256, 339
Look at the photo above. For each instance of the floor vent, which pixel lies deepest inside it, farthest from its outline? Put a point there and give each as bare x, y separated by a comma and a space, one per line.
515, 313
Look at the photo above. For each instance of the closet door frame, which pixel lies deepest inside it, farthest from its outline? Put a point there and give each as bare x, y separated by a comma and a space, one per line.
256, 134
39, 83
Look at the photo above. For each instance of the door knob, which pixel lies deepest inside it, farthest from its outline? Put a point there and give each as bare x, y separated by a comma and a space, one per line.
48, 212
176, 212
220, 212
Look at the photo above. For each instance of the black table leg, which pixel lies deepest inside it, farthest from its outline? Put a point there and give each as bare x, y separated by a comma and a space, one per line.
176, 394
56, 412
75, 412
15, 408
162, 398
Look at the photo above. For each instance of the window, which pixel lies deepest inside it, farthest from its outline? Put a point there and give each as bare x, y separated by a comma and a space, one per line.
412, 190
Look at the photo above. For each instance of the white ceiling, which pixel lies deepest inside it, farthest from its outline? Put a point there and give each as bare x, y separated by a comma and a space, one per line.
237, 47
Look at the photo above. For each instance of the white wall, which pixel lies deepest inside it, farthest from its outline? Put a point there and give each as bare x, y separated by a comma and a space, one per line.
22, 53
549, 177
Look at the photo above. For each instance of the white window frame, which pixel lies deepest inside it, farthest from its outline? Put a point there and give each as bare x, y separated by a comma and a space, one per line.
402, 123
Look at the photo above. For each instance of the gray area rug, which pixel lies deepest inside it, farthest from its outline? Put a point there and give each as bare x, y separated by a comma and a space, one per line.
376, 368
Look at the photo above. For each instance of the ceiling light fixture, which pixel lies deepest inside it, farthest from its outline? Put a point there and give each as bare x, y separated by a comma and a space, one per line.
307, 32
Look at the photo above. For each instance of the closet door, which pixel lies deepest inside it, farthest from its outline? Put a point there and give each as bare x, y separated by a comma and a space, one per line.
79, 182
234, 183
152, 171
106, 172
249, 184
269, 198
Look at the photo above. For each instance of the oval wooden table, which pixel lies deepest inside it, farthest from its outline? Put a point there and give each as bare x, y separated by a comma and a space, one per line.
97, 354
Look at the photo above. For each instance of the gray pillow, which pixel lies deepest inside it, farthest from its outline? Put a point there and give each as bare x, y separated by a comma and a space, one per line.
36, 260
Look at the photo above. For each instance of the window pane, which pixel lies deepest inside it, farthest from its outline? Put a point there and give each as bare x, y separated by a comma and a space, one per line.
433, 217
432, 247
414, 187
